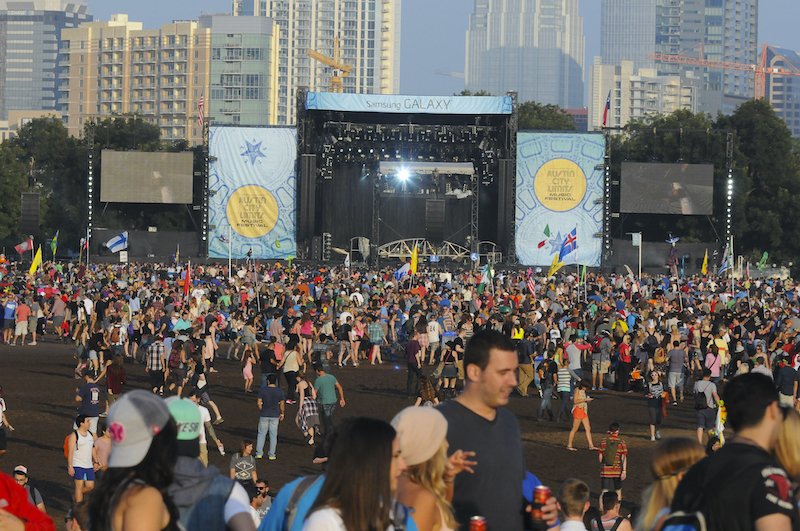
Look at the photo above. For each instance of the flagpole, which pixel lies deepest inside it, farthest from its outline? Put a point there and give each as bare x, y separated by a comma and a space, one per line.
229, 250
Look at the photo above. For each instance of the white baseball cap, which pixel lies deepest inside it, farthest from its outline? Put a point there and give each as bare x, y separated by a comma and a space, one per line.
133, 420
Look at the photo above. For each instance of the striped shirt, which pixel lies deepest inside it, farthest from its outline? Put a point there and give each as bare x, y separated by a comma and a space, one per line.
563, 379
155, 356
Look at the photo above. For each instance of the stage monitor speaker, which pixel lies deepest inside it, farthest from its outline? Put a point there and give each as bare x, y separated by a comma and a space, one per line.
316, 248
307, 195
29, 219
434, 220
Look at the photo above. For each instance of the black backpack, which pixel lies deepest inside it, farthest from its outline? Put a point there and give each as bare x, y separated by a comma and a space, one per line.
700, 399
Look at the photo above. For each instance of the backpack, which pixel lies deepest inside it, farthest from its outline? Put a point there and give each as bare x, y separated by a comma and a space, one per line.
596, 342
610, 455
174, 360
66, 443
685, 521
599, 523
700, 399
115, 336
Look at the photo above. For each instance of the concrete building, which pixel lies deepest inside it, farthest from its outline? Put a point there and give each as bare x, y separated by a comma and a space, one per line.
727, 30
783, 91
636, 94
534, 47
30, 34
369, 40
116, 67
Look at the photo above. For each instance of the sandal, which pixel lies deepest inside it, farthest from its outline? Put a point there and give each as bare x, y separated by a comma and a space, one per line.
593, 448
571, 449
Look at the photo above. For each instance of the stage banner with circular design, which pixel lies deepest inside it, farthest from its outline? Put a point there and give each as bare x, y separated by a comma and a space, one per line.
559, 183
252, 182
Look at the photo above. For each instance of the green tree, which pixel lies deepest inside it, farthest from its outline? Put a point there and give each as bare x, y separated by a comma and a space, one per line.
13, 181
466, 92
544, 117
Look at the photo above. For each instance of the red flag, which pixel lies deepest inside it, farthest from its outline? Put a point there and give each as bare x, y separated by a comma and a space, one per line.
201, 110
606, 109
531, 286
25, 246
187, 282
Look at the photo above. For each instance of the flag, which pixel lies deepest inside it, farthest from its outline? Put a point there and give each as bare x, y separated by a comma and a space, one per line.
403, 272
555, 266
546, 236
583, 274
724, 265
201, 108
531, 286
486, 278
25, 246
569, 245
747, 268
347, 261
277, 243
606, 109
414, 259
118, 243
704, 269
763, 261
54, 243
187, 281
85, 241
37, 261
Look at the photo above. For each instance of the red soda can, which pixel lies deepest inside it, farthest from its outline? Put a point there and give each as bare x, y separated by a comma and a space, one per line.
540, 496
477, 523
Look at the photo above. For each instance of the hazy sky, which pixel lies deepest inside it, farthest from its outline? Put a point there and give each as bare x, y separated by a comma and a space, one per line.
434, 32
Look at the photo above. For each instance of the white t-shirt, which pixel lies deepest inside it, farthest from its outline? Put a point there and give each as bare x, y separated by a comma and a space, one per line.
82, 456
205, 416
324, 520
433, 331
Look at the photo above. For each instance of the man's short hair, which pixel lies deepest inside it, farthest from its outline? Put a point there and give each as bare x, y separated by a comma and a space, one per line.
706, 372
272, 379
481, 344
610, 499
614, 426
318, 367
573, 496
80, 419
747, 398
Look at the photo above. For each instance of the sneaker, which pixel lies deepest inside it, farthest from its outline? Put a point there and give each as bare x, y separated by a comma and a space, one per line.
681, 398
219, 421
272, 458
12, 344
652, 439
32, 343
674, 403
259, 457
103, 414
594, 388
658, 435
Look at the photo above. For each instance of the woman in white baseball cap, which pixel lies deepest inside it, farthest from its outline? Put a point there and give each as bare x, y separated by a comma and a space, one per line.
134, 487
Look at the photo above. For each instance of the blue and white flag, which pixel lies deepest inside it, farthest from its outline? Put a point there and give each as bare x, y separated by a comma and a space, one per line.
402, 272
569, 245
118, 243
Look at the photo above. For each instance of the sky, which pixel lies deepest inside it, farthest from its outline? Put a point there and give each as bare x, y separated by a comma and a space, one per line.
440, 26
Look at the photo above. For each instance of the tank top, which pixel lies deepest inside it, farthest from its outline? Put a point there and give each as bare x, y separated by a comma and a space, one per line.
82, 457
291, 364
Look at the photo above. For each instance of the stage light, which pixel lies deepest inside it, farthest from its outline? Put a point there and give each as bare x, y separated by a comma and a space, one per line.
403, 175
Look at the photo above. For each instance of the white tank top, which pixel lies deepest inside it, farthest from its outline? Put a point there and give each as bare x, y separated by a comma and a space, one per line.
82, 457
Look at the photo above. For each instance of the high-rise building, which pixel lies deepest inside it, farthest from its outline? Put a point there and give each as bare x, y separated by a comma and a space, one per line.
637, 93
369, 41
716, 30
30, 34
783, 91
533, 47
116, 67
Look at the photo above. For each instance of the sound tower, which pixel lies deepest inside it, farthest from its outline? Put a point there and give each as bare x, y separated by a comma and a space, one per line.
306, 195
29, 219
434, 220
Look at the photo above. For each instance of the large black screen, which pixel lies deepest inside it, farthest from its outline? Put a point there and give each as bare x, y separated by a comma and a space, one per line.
653, 188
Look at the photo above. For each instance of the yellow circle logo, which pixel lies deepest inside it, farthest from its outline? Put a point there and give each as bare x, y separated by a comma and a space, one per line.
252, 211
560, 185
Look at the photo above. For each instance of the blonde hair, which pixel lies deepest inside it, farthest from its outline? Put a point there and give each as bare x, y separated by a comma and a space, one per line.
787, 451
430, 475
672, 456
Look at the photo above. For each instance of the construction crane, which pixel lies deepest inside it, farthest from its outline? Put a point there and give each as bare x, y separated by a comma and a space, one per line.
451, 74
760, 70
336, 64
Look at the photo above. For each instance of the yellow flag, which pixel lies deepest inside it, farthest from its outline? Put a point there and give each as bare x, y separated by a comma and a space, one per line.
555, 266
37, 261
414, 260
704, 269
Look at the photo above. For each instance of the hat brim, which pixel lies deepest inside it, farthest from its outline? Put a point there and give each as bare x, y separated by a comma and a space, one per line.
129, 455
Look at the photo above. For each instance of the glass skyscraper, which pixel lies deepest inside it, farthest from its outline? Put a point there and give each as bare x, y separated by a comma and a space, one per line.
628, 32
533, 47
30, 37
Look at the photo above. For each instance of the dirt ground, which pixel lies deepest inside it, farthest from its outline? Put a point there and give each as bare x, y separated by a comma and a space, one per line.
39, 389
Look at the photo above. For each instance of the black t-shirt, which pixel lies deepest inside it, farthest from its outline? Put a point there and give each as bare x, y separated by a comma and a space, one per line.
269, 364
736, 486
494, 491
343, 333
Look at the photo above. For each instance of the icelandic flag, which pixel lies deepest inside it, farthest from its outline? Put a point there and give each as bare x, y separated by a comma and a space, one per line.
118, 243
570, 244
606, 109
403, 272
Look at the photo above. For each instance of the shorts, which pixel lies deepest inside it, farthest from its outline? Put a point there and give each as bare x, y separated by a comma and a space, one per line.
83, 474
21, 328
8, 324
785, 400
111, 397
597, 366
579, 413
674, 379
204, 453
706, 418
92, 354
610, 484
177, 376
204, 397
306, 336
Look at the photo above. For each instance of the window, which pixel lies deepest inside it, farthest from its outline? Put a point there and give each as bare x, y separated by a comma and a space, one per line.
216, 54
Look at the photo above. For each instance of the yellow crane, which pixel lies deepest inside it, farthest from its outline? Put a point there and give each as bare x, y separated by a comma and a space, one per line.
336, 64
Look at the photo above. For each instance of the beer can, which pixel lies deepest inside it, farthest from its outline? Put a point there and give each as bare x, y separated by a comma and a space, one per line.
540, 496
477, 523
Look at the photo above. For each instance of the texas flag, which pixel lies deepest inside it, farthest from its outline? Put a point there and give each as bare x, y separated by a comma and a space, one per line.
607, 109
25, 246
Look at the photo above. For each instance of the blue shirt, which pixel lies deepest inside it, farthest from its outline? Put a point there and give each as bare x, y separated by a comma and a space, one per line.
271, 398
326, 386
11, 307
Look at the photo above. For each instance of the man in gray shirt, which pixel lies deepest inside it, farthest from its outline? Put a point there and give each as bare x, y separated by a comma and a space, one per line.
601, 360
677, 361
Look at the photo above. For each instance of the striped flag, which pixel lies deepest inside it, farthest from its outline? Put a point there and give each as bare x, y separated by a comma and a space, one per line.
531, 286
607, 109
201, 108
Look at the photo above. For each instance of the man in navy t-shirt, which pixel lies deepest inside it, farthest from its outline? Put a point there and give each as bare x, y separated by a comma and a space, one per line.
89, 397
271, 403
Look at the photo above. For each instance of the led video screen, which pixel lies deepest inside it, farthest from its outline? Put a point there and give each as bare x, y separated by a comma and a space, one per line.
654, 188
144, 177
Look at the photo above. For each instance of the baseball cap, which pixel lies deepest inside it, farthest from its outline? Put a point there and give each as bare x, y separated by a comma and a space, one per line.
21, 469
422, 431
133, 420
187, 417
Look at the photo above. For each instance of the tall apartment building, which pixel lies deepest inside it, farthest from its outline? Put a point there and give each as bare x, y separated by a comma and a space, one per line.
369, 40
533, 47
726, 29
783, 91
30, 33
116, 67
637, 93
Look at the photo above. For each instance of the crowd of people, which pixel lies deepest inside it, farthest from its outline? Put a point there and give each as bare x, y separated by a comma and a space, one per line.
457, 453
